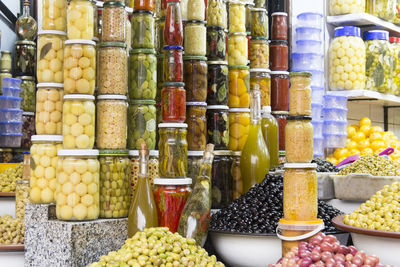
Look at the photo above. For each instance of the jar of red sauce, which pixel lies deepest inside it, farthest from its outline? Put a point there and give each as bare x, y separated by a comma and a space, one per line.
173, 63
149, 5
279, 26
281, 117
173, 102
279, 91
171, 196
279, 55
173, 29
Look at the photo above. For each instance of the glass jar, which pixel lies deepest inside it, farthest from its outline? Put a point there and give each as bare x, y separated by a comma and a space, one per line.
161, 8
260, 4
160, 23
347, 59
28, 91
54, 15
143, 29
78, 129
281, 117
260, 79
111, 132
239, 85
384, 9
173, 150
143, 74
114, 183
249, 6
24, 58
237, 49
113, 68
217, 84
79, 67
237, 17
80, 20
28, 129
216, 43
197, 125
194, 161
134, 167
149, 5
43, 168
395, 42
239, 124
114, 20
5, 61
300, 180
77, 194
95, 20
299, 139
173, 64
160, 76
50, 56
259, 53
142, 124
49, 108
195, 38
279, 27
21, 198
218, 126
158, 121
195, 78
280, 90
338, 7
173, 30
379, 66
236, 175
279, 55
170, 196
222, 180
173, 102
259, 22
196, 10
184, 9
216, 13
300, 94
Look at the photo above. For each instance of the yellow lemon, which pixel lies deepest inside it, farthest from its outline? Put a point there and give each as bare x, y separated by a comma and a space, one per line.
377, 145
367, 151
351, 130
363, 144
340, 153
365, 129
365, 121
359, 136
376, 129
375, 136
354, 152
351, 144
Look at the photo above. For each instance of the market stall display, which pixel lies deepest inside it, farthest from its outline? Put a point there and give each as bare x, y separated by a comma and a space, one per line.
9, 178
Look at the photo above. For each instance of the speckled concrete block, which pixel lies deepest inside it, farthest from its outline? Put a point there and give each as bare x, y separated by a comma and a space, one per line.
50, 242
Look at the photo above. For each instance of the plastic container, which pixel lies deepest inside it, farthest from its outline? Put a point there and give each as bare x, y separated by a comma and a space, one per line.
308, 33
317, 94
316, 111
318, 128
8, 114
10, 139
318, 78
8, 91
334, 114
318, 146
335, 140
310, 19
302, 61
12, 83
10, 102
309, 46
334, 101
10, 126
335, 127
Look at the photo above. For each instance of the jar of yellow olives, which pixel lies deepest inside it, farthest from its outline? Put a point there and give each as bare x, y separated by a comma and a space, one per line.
54, 15
80, 20
239, 124
237, 16
78, 184
43, 163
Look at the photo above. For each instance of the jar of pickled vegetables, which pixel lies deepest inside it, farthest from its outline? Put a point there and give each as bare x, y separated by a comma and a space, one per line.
195, 37
24, 58
170, 196
5, 62
384, 9
173, 150
281, 118
142, 74
300, 180
49, 108
173, 29
236, 175
28, 129
142, 123
300, 94
299, 139
237, 17
197, 125
133, 168
259, 53
149, 5
222, 180
218, 126
216, 13
143, 29
217, 92
114, 20
339, 7
173, 64
54, 15
111, 132
259, 22
279, 55
114, 183
279, 27
79, 66
237, 49
43, 168
379, 66
173, 102
194, 161
239, 85
77, 194
347, 59
280, 90
216, 43
160, 23
260, 79
195, 77
80, 20
395, 42
28, 90
239, 124
79, 113
21, 198
50, 56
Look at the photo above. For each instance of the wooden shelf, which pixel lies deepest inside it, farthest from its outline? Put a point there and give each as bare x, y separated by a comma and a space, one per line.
363, 95
12, 247
7, 194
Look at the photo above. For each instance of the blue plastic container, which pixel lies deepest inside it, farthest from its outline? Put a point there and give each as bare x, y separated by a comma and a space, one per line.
8, 91
309, 46
335, 101
11, 114
317, 125
316, 111
310, 19
335, 140
310, 61
10, 102
317, 94
335, 127
334, 114
12, 82
319, 147
308, 33
10, 126
10, 139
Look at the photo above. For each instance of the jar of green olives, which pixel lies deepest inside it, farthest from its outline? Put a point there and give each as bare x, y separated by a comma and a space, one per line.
142, 123
28, 92
143, 74
114, 183
143, 29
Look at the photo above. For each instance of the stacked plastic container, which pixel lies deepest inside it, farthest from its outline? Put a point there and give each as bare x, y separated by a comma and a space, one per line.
335, 121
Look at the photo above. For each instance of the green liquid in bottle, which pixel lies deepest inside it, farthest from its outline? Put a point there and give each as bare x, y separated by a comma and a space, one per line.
270, 129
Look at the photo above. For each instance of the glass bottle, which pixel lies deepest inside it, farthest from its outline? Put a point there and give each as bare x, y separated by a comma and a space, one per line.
255, 161
269, 127
196, 214
142, 212
26, 26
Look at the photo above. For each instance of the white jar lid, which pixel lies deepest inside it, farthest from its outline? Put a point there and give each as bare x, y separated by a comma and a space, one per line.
260, 70
52, 32
218, 107
153, 153
195, 153
27, 113
280, 72
172, 125
266, 109
78, 152
239, 110
222, 152
279, 14
46, 138
134, 153
176, 181
300, 165
50, 85
111, 97
79, 97
196, 104
80, 41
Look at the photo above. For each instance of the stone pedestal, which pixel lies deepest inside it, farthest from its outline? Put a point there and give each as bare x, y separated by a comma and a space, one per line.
50, 242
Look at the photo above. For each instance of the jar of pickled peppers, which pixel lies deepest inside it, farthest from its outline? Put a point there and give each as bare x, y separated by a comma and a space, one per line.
195, 77
197, 125
218, 126
173, 29
261, 79
173, 102
239, 124
149, 5
239, 85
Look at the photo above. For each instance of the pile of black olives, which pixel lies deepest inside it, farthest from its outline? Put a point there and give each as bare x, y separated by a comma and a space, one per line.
324, 166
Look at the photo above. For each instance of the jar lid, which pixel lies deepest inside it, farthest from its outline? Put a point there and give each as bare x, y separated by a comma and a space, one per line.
194, 57
134, 153
25, 42
143, 51
237, 34
22, 181
239, 67
172, 125
193, 21
279, 72
50, 85
347, 31
259, 38
222, 152
236, 2
376, 35
46, 138
27, 113
218, 28
238, 110
195, 153
113, 152
266, 109
258, 9
300, 165
279, 14
300, 73
30, 78
111, 97
176, 181
114, 3
143, 12
281, 42
260, 70
113, 44
80, 41
280, 112
6, 52
78, 97
11, 134
52, 32
299, 118
171, 47
218, 107
153, 153
203, 104
176, 84
78, 152
142, 102
96, 40
237, 153
394, 39
217, 62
